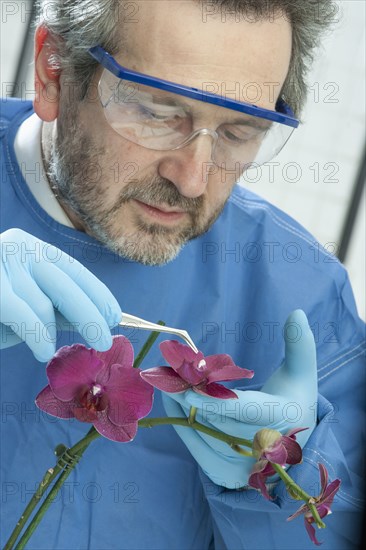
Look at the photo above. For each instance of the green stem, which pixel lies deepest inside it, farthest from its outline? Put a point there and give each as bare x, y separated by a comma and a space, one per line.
229, 439
46, 481
192, 415
239, 450
81, 445
146, 347
45, 505
309, 500
65, 461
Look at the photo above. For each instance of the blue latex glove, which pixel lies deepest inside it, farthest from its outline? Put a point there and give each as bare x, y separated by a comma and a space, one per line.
287, 400
36, 280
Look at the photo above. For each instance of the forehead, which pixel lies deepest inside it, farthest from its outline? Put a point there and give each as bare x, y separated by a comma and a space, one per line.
235, 57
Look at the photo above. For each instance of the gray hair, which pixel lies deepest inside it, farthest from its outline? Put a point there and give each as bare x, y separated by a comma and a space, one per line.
77, 25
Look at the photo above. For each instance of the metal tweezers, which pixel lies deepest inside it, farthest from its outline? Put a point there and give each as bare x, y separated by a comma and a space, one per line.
132, 321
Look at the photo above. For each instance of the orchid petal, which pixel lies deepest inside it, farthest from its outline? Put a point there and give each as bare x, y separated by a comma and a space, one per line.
260, 466
256, 480
219, 361
264, 468
323, 503
85, 415
222, 368
311, 532
130, 397
116, 433
302, 510
294, 451
48, 402
191, 373
323, 477
200, 372
121, 353
330, 492
72, 367
277, 453
165, 379
175, 353
292, 433
215, 390
323, 510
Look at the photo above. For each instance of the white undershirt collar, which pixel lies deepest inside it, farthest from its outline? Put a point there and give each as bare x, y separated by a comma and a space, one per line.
27, 146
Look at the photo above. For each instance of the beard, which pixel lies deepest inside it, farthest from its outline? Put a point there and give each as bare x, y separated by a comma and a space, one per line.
73, 156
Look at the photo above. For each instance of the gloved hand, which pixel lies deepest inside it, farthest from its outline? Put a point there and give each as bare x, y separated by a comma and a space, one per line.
36, 280
286, 401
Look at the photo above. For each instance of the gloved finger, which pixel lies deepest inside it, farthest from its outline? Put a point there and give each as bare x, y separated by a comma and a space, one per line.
298, 374
74, 305
229, 471
97, 291
22, 251
180, 398
300, 351
28, 327
40, 255
22, 323
23, 285
215, 444
62, 323
214, 417
253, 408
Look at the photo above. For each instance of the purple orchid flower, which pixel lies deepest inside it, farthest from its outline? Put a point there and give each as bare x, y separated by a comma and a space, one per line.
97, 387
190, 370
322, 503
271, 446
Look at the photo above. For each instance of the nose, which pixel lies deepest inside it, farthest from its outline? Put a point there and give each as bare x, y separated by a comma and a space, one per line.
188, 166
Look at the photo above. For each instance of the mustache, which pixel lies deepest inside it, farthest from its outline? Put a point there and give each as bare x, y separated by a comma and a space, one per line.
156, 190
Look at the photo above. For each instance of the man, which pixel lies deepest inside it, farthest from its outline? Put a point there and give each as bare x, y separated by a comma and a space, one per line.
135, 168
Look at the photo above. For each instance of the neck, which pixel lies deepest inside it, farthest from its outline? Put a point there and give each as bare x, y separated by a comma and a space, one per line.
49, 137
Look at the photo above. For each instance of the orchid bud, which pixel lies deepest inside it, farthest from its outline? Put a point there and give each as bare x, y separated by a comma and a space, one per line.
263, 440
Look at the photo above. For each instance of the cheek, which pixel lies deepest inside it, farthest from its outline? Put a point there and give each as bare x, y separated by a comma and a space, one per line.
119, 153
127, 162
220, 185
119, 161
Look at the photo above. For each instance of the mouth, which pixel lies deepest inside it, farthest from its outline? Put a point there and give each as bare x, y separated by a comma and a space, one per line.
160, 213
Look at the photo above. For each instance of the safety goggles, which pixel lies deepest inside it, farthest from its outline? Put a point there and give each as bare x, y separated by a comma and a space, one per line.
165, 116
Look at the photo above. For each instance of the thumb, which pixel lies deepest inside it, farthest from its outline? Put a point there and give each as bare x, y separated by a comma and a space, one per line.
300, 351
298, 373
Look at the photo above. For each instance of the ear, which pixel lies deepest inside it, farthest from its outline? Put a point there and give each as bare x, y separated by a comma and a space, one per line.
47, 77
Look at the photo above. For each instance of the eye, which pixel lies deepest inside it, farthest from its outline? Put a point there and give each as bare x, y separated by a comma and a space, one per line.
162, 113
158, 115
232, 136
241, 134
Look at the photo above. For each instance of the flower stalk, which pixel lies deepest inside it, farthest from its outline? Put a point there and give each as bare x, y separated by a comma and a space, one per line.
49, 476
229, 439
147, 346
192, 415
91, 386
45, 505
291, 486
67, 461
240, 450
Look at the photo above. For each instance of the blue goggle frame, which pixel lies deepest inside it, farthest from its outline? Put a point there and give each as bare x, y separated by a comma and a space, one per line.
283, 114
